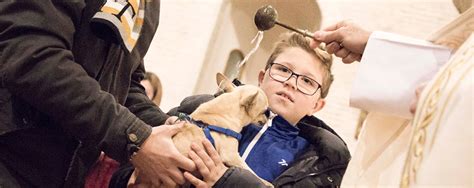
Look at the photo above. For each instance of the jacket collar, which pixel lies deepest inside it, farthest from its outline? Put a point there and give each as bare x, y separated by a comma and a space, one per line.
310, 125
283, 129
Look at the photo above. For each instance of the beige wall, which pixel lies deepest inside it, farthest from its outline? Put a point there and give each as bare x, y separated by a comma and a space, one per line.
235, 29
178, 50
188, 29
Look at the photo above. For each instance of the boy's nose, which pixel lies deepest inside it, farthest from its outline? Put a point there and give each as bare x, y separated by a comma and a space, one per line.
292, 82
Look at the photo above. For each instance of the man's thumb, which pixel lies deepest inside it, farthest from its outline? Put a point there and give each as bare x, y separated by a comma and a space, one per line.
314, 43
328, 36
175, 128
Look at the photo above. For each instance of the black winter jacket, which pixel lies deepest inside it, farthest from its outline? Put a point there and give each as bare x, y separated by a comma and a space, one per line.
323, 164
66, 93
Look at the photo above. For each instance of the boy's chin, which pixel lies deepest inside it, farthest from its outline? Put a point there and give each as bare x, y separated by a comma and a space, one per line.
281, 110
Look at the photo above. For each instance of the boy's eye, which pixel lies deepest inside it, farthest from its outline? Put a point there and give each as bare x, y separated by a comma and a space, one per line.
283, 69
308, 81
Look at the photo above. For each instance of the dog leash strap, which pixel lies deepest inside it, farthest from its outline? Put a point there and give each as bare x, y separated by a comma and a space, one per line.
225, 131
207, 132
208, 128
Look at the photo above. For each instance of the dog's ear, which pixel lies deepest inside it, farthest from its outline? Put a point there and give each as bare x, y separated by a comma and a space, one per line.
248, 101
224, 83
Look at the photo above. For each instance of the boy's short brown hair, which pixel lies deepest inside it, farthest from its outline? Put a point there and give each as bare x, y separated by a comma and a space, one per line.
293, 39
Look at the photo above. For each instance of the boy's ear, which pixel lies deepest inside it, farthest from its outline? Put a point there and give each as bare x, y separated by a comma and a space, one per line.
224, 83
318, 106
261, 75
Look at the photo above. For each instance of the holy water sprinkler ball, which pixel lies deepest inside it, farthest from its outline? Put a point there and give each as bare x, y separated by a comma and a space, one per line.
265, 18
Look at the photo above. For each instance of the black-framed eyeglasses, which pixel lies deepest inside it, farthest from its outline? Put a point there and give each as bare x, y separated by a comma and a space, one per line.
304, 84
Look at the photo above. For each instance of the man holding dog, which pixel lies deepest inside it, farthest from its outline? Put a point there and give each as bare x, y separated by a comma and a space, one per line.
70, 76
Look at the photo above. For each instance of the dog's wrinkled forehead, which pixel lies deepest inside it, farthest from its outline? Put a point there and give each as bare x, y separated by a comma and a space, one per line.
251, 90
255, 94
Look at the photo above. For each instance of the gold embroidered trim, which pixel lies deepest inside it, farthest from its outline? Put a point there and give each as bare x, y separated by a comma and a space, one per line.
429, 109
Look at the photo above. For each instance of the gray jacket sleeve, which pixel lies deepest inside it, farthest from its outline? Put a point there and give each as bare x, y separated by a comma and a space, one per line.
139, 104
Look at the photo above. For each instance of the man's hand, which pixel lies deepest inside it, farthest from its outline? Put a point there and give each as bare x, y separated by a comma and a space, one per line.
158, 157
138, 180
208, 163
171, 120
344, 39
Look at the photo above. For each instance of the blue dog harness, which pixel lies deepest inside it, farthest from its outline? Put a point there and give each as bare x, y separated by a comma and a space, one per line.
208, 128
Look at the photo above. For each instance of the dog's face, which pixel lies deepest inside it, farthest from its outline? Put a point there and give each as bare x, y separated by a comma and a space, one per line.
253, 103
253, 100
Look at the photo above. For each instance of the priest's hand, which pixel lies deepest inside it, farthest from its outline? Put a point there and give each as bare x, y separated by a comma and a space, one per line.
344, 39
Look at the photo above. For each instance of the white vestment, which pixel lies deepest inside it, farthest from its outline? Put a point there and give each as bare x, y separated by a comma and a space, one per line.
436, 147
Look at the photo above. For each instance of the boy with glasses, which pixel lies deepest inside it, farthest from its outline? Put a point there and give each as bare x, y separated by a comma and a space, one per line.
294, 148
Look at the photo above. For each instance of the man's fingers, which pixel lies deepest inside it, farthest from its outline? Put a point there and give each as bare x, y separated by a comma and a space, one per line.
333, 47
195, 181
171, 130
200, 165
357, 57
171, 120
328, 36
167, 181
176, 175
180, 160
351, 58
212, 152
203, 155
185, 163
342, 53
314, 43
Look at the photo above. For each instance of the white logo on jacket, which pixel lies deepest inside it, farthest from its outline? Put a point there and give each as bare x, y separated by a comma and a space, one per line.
283, 162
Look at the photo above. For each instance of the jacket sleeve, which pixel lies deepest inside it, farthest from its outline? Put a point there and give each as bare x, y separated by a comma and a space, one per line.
189, 104
237, 177
323, 164
313, 170
139, 104
37, 65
